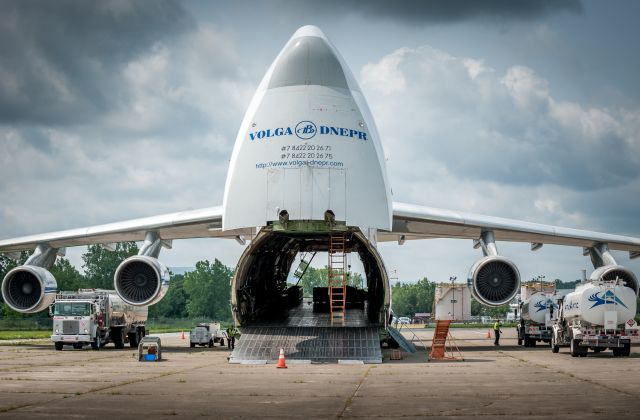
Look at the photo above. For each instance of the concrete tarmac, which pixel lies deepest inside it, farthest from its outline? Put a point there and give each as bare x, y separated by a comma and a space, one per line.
507, 381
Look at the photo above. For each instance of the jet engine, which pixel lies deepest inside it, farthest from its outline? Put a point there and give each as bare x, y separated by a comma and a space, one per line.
29, 289
494, 280
141, 280
613, 272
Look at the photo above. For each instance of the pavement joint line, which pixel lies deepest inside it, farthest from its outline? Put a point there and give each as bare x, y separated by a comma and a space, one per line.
554, 370
94, 390
62, 363
349, 400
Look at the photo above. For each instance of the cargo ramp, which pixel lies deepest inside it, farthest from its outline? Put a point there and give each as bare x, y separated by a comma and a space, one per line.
262, 344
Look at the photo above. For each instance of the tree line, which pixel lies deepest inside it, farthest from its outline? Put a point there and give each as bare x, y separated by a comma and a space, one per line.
204, 292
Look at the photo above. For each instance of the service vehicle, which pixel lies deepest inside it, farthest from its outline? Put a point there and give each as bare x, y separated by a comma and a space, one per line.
598, 315
537, 315
96, 317
205, 334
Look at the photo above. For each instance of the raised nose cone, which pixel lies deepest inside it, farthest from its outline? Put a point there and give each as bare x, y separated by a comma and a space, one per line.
309, 59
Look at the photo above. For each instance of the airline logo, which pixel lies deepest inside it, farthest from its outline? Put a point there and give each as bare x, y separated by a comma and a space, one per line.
306, 130
608, 298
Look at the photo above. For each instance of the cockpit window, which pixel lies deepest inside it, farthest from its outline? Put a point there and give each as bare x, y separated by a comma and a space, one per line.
308, 61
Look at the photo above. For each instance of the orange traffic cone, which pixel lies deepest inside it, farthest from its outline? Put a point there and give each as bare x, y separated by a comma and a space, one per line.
489, 334
182, 338
281, 362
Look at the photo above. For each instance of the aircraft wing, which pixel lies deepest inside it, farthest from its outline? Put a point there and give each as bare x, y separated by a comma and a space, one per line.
200, 223
419, 222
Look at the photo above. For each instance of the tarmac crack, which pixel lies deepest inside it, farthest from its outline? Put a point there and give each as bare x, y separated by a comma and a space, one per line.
568, 374
113, 385
349, 401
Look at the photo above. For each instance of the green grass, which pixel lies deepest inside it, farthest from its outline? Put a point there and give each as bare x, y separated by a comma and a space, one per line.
21, 335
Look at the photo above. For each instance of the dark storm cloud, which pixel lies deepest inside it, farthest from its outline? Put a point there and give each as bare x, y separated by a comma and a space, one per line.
422, 11
60, 61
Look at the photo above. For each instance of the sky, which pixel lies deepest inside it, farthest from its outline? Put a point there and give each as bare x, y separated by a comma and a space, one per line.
529, 110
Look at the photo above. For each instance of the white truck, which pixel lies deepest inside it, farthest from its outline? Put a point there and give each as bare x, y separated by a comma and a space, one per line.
537, 315
96, 317
205, 334
598, 315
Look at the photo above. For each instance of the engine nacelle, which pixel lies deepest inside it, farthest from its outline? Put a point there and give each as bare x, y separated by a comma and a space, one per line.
141, 280
29, 289
613, 272
494, 280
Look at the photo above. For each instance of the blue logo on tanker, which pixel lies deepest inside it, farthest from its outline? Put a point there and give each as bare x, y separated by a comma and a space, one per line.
306, 130
607, 298
544, 305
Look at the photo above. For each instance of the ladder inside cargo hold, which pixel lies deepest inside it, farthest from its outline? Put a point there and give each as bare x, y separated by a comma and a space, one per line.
337, 277
439, 348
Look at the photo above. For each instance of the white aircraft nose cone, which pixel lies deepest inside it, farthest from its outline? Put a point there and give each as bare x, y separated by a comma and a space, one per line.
309, 30
308, 59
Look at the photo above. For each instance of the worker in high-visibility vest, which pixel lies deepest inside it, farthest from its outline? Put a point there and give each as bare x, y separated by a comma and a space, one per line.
497, 332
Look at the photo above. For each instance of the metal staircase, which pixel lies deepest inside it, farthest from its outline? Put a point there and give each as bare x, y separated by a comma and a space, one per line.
305, 261
337, 277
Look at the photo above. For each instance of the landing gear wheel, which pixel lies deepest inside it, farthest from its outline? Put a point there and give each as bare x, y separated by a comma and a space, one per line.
58, 345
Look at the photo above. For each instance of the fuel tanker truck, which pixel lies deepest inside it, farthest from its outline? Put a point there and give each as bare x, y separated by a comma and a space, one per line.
96, 317
537, 315
598, 315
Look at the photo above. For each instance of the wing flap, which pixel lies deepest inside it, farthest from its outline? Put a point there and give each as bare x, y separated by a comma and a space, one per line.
420, 222
200, 223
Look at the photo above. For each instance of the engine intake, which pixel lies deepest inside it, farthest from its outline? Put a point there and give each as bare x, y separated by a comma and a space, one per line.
613, 272
494, 280
141, 280
29, 289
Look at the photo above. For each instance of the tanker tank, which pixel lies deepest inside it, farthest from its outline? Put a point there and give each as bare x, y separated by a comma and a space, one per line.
595, 303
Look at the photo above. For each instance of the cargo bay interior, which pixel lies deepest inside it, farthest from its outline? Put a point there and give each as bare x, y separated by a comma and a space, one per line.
273, 314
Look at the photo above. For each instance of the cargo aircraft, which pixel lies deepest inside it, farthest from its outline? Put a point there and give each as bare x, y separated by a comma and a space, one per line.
307, 174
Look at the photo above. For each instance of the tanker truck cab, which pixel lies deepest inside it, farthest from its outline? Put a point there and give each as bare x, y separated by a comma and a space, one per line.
596, 316
74, 321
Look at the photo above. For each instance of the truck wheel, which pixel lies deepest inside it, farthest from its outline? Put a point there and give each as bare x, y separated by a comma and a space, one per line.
58, 345
77, 346
222, 342
626, 350
573, 348
519, 341
117, 337
134, 338
210, 343
527, 343
533, 342
192, 345
95, 344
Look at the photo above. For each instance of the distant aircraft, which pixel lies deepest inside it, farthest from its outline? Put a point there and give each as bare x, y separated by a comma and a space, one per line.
308, 170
